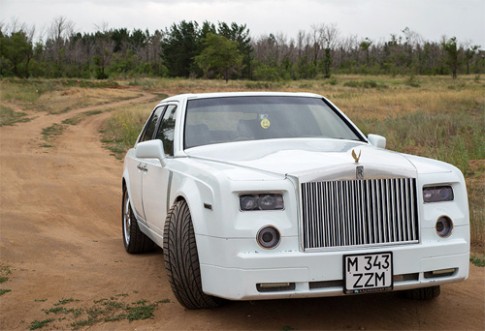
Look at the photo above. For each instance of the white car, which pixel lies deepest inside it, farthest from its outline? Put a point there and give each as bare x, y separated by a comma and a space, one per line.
279, 195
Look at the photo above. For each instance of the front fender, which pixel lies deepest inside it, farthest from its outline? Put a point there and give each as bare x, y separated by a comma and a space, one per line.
200, 197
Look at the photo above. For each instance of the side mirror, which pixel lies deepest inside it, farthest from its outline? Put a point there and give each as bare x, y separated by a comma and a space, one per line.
151, 149
377, 141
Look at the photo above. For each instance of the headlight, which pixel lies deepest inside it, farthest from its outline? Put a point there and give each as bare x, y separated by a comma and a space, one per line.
438, 193
261, 202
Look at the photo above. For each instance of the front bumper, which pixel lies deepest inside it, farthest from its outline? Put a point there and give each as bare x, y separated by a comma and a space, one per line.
236, 273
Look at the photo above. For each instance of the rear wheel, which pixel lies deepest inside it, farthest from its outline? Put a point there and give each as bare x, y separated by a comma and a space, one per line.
134, 240
425, 293
182, 259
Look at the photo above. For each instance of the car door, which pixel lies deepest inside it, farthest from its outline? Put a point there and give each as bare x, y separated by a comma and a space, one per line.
156, 179
137, 167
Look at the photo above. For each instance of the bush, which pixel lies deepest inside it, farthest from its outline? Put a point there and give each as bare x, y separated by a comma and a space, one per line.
266, 73
365, 84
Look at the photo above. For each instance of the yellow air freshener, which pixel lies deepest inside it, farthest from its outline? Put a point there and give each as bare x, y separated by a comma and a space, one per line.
265, 123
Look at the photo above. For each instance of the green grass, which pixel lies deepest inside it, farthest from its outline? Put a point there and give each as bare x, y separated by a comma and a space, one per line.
26, 91
119, 132
140, 310
10, 117
59, 308
65, 301
261, 85
79, 117
455, 137
111, 310
51, 132
366, 84
77, 315
63, 310
40, 324
72, 120
89, 83
5, 271
479, 261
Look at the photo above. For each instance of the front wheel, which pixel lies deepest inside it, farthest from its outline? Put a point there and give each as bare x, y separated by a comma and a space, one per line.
134, 240
182, 259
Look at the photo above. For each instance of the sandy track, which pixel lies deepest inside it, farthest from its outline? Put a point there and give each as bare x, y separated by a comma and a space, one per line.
60, 237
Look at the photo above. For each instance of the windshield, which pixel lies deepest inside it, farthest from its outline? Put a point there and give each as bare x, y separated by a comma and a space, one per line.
228, 119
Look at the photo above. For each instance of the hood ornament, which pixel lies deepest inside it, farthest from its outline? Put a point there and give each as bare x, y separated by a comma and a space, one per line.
359, 170
354, 155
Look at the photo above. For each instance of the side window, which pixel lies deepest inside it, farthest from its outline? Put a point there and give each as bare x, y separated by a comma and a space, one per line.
151, 124
167, 128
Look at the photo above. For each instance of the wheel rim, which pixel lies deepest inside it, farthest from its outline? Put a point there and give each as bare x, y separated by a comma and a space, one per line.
127, 220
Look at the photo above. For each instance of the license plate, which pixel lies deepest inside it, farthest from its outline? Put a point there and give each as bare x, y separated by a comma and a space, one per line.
365, 273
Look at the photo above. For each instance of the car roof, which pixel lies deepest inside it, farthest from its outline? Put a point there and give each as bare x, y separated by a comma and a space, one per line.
191, 96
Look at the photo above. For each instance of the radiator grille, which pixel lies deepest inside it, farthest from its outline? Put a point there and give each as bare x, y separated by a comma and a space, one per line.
359, 212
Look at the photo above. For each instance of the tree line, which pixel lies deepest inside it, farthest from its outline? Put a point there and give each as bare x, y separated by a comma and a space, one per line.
190, 49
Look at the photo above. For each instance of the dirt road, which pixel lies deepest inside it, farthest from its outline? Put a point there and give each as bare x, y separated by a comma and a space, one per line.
61, 250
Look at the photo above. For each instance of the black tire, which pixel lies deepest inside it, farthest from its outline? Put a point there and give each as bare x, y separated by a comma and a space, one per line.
134, 240
182, 259
425, 293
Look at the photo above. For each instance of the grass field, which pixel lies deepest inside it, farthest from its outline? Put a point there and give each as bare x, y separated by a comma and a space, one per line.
429, 116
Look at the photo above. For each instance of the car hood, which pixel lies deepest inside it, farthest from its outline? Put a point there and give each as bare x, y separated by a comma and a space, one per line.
307, 159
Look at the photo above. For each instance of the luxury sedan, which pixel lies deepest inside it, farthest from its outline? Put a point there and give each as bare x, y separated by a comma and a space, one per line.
279, 195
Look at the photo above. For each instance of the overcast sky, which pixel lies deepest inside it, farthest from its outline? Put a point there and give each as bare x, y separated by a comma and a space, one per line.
375, 19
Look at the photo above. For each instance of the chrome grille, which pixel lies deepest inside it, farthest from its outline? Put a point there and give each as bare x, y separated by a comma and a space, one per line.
359, 212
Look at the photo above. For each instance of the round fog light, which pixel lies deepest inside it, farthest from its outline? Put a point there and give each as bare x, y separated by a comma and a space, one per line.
444, 226
268, 237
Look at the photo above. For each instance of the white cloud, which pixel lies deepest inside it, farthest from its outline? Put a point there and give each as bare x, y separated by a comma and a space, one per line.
376, 19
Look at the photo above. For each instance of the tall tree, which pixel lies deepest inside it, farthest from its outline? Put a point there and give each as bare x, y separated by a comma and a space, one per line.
470, 53
220, 55
60, 30
239, 34
451, 50
179, 47
365, 47
103, 50
17, 50
326, 38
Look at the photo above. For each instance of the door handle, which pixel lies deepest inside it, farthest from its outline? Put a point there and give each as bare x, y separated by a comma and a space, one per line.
142, 167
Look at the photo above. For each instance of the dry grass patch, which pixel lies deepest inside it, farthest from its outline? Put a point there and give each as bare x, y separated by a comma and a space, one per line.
59, 96
56, 102
10, 117
120, 131
380, 104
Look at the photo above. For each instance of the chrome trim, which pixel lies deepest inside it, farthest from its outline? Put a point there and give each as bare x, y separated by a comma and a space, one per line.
349, 213
169, 189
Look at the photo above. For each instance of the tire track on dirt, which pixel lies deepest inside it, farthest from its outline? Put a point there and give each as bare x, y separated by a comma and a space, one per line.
80, 114
59, 215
